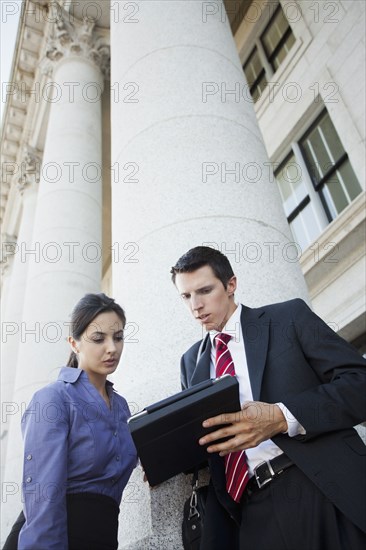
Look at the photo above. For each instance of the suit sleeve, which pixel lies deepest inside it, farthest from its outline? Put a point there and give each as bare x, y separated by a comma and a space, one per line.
338, 400
45, 432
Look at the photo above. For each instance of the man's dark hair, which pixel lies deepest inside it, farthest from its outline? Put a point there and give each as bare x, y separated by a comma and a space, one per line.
200, 256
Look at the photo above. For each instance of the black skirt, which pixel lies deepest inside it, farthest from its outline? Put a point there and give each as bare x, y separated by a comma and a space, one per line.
92, 523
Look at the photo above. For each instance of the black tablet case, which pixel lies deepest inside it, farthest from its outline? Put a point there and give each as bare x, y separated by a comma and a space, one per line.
166, 433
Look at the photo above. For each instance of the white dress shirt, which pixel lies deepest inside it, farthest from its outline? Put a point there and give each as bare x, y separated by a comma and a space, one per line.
267, 449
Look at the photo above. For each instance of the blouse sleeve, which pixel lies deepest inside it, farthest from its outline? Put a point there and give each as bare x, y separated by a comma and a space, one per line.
45, 428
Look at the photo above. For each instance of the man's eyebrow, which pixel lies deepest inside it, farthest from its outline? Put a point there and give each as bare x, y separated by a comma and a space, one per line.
206, 287
201, 289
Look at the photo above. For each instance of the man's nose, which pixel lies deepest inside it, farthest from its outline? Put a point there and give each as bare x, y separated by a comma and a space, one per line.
196, 303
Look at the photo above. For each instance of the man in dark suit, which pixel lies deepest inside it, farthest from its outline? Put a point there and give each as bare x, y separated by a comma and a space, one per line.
302, 389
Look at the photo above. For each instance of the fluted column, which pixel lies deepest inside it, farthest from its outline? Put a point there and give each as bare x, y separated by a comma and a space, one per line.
192, 169
67, 234
14, 292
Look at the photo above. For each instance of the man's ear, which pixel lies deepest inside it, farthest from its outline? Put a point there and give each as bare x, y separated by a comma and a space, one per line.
231, 286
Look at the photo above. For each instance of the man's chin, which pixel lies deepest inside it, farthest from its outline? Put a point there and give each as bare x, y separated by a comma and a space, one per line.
209, 326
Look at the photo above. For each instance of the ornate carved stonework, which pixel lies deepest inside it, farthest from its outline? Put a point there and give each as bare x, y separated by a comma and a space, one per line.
72, 37
30, 168
8, 250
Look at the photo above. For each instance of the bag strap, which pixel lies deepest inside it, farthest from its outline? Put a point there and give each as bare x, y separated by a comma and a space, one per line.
194, 481
193, 510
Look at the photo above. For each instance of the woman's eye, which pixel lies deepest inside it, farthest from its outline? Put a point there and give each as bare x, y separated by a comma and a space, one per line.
97, 340
119, 338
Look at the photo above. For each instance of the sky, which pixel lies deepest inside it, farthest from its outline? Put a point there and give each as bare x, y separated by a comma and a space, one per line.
9, 12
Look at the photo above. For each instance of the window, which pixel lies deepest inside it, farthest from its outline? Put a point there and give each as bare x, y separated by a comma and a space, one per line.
255, 74
277, 39
329, 168
316, 181
269, 52
297, 204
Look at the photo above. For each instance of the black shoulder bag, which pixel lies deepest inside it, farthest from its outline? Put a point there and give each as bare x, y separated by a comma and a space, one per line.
194, 515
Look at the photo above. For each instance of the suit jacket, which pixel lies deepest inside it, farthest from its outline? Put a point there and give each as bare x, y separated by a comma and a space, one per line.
293, 357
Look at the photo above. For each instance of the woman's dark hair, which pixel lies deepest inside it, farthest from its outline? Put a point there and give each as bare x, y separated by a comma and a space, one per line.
204, 255
85, 311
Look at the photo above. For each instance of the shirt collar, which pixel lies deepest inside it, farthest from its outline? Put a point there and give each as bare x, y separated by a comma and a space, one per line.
71, 375
231, 326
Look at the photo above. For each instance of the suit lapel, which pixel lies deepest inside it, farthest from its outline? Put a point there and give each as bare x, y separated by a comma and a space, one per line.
202, 370
255, 327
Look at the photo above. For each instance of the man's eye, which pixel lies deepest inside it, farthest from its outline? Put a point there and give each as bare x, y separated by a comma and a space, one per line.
185, 296
119, 338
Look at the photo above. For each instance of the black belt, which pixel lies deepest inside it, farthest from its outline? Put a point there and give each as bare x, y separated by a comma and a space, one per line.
266, 471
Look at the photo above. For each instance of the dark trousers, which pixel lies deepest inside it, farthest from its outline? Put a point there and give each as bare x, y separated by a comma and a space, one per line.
291, 513
92, 523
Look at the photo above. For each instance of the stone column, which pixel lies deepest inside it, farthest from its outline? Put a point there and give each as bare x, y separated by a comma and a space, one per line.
192, 169
67, 235
14, 293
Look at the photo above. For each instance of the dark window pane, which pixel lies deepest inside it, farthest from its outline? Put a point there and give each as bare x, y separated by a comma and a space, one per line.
349, 179
255, 75
277, 39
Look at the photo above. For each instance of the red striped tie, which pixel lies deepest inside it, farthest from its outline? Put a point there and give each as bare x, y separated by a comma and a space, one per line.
236, 467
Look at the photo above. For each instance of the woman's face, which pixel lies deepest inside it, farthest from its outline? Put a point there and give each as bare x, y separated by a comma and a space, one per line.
100, 346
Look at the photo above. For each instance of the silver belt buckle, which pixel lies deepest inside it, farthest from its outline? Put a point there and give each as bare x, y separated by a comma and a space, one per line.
271, 471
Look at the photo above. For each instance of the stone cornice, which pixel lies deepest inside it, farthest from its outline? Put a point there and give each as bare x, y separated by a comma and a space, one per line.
27, 51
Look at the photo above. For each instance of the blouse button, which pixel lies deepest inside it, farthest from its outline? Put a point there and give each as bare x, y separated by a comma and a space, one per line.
29, 457
117, 457
29, 479
115, 434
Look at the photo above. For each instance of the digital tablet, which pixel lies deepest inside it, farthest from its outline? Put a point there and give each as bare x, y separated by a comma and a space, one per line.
166, 433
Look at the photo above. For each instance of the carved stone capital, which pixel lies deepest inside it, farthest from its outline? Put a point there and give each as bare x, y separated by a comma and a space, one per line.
101, 55
70, 37
30, 168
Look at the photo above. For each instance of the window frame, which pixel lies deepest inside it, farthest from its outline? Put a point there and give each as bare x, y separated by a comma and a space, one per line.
319, 185
265, 59
282, 41
314, 189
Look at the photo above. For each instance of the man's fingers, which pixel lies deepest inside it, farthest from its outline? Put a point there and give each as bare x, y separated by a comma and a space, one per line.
225, 418
218, 434
231, 445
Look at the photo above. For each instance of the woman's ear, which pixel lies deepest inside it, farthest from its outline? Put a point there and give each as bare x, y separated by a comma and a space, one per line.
73, 344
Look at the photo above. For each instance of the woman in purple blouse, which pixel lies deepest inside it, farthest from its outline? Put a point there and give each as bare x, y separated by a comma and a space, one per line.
79, 453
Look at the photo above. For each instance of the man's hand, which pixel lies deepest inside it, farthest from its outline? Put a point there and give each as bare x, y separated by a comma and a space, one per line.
256, 422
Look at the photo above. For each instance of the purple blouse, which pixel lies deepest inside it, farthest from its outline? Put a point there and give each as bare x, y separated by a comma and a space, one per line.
73, 443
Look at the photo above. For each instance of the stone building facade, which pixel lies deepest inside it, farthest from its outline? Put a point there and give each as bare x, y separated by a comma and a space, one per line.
136, 130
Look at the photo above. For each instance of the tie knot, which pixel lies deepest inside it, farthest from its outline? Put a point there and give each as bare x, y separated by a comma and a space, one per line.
222, 339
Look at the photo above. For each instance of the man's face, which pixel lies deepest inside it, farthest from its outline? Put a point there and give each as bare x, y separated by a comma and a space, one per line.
206, 297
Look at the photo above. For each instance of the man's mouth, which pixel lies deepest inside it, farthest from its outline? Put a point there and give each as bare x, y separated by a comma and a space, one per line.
203, 317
